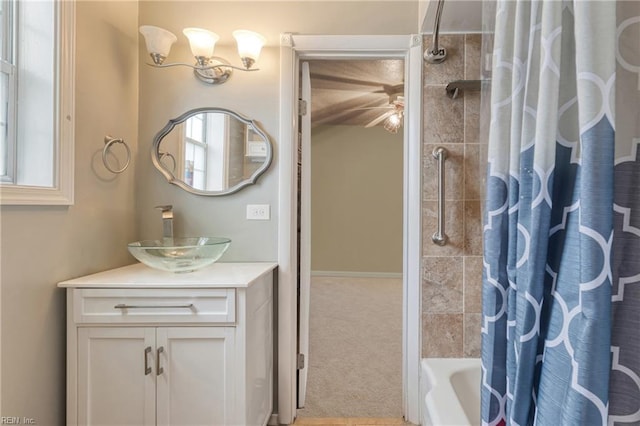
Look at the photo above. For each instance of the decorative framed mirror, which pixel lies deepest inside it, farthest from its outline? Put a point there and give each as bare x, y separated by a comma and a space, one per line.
211, 151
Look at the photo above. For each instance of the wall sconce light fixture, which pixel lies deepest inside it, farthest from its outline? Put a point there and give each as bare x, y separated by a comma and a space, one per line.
208, 68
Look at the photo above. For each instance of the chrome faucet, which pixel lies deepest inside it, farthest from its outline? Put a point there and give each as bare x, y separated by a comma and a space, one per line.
167, 220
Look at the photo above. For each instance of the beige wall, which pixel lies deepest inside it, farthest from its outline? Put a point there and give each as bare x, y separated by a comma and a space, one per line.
457, 16
356, 190
44, 245
452, 275
165, 94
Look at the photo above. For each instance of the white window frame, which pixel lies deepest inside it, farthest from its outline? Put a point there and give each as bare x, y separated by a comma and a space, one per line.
217, 153
191, 143
61, 193
215, 143
8, 68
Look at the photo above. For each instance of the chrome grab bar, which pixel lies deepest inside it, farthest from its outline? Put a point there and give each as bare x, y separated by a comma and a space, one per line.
440, 237
123, 306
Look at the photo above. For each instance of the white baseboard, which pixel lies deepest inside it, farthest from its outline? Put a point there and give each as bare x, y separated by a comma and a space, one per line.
356, 274
273, 420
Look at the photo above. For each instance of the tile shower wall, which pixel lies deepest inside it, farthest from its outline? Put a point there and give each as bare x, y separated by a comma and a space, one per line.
452, 274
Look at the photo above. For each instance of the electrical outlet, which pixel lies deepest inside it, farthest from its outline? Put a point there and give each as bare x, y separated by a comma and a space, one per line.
258, 211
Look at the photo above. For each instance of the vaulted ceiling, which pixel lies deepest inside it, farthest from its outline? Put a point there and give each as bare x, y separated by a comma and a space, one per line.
355, 91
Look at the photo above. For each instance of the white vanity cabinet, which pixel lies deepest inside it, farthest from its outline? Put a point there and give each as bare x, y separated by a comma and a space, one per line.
182, 379
146, 347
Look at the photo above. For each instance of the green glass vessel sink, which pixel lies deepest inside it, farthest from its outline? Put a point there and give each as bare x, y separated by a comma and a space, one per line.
179, 254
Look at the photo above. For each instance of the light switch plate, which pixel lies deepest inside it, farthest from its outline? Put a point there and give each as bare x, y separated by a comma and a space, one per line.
258, 211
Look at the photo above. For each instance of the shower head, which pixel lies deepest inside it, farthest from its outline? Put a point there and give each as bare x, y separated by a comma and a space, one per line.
436, 54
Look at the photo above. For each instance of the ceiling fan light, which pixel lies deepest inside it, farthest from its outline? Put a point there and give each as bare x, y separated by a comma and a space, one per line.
393, 122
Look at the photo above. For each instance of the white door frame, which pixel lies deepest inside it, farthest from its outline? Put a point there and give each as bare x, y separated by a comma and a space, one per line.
293, 48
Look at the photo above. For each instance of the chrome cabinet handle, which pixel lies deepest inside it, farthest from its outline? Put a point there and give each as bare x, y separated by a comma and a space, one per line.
123, 306
147, 369
159, 369
440, 237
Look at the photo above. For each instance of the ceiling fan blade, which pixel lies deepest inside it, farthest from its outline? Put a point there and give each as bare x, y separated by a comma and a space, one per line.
362, 109
347, 80
380, 119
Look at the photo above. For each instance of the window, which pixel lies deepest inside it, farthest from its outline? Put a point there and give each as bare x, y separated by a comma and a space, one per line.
205, 151
195, 151
36, 113
7, 91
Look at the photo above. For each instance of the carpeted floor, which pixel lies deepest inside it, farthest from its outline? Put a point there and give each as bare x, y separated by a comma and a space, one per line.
350, 422
355, 355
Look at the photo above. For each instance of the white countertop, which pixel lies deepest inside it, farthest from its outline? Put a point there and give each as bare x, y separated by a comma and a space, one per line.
241, 274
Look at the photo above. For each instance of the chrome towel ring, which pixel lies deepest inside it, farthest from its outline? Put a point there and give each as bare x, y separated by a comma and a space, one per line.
163, 155
108, 143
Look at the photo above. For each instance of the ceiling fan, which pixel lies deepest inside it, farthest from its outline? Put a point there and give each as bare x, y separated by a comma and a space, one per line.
377, 102
393, 116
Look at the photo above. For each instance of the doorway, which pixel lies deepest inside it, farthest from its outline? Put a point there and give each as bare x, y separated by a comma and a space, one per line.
351, 250
295, 49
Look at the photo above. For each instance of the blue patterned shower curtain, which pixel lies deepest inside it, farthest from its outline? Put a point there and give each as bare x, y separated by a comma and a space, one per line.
560, 253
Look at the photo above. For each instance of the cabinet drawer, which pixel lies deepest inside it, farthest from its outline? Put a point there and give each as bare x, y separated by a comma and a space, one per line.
153, 306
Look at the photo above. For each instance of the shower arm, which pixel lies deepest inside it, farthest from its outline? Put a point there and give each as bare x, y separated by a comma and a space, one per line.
436, 29
436, 54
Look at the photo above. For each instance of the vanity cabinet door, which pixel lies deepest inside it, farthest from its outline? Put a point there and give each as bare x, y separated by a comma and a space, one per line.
116, 381
196, 376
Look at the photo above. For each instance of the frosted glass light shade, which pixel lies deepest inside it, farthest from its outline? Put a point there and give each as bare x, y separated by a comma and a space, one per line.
393, 122
202, 42
158, 40
249, 44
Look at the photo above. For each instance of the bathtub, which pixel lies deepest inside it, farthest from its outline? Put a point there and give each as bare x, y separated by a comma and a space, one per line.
450, 391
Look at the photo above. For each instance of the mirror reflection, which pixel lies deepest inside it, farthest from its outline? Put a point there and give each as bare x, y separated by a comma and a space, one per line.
212, 151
